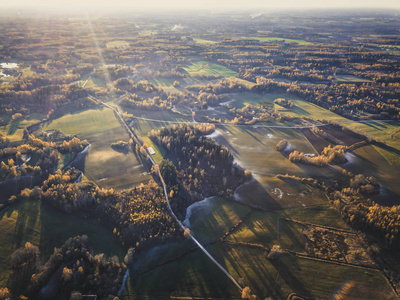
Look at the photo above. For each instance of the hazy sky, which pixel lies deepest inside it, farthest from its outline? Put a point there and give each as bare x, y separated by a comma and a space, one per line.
204, 4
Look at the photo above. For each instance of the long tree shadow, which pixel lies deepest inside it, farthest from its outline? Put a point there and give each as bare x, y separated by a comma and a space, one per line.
256, 196
253, 136
27, 222
284, 266
220, 139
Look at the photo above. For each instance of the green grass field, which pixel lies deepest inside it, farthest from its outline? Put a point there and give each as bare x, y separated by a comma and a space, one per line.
272, 39
117, 44
167, 84
307, 278
308, 109
145, 126
254, 149
320, 215
367, 160
192, 276
92, 82
351, 78
391, 156
108, 168
262, 229
379, 130
15, 129
47, 228
241, 99
210, 220
208, 68
202, 41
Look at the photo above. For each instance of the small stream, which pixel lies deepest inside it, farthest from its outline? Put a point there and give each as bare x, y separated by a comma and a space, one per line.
126, 276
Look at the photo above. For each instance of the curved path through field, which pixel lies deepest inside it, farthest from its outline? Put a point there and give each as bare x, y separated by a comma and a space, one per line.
118, 114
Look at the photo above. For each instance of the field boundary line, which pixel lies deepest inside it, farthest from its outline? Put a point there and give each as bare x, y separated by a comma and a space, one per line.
317, 225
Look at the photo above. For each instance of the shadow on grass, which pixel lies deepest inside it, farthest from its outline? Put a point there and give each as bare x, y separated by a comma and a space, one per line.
14, 125
255, 195
376, 125
193, 275
299, 111
220, 139
124, 150
249, 132
27, 221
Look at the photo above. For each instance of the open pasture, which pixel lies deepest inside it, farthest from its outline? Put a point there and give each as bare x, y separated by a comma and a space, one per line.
209, 219
385, 131
368, 161
308, 109
291, 274
46, 227
203, 41
268, 229
14, 130
117, 45
146, 120
167, 84
380, 130
194, 276
277, 39
323, 215
208, 68
241, 99
350, 78
254, 150
272, 193
107, 167
189, 277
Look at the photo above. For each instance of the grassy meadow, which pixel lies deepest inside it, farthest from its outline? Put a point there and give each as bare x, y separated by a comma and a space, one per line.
290, 274
203, 41
46, 227
191, 276
208, 68
254, 150
15, 129
107, 167
323, 215
212, 218
277, 39
350, 78
268, 229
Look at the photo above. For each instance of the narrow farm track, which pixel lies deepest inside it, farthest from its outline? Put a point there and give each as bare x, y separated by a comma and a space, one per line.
118, 114
258, 126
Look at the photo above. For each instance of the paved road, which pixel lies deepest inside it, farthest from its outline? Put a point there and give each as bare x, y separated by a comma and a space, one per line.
169, 205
